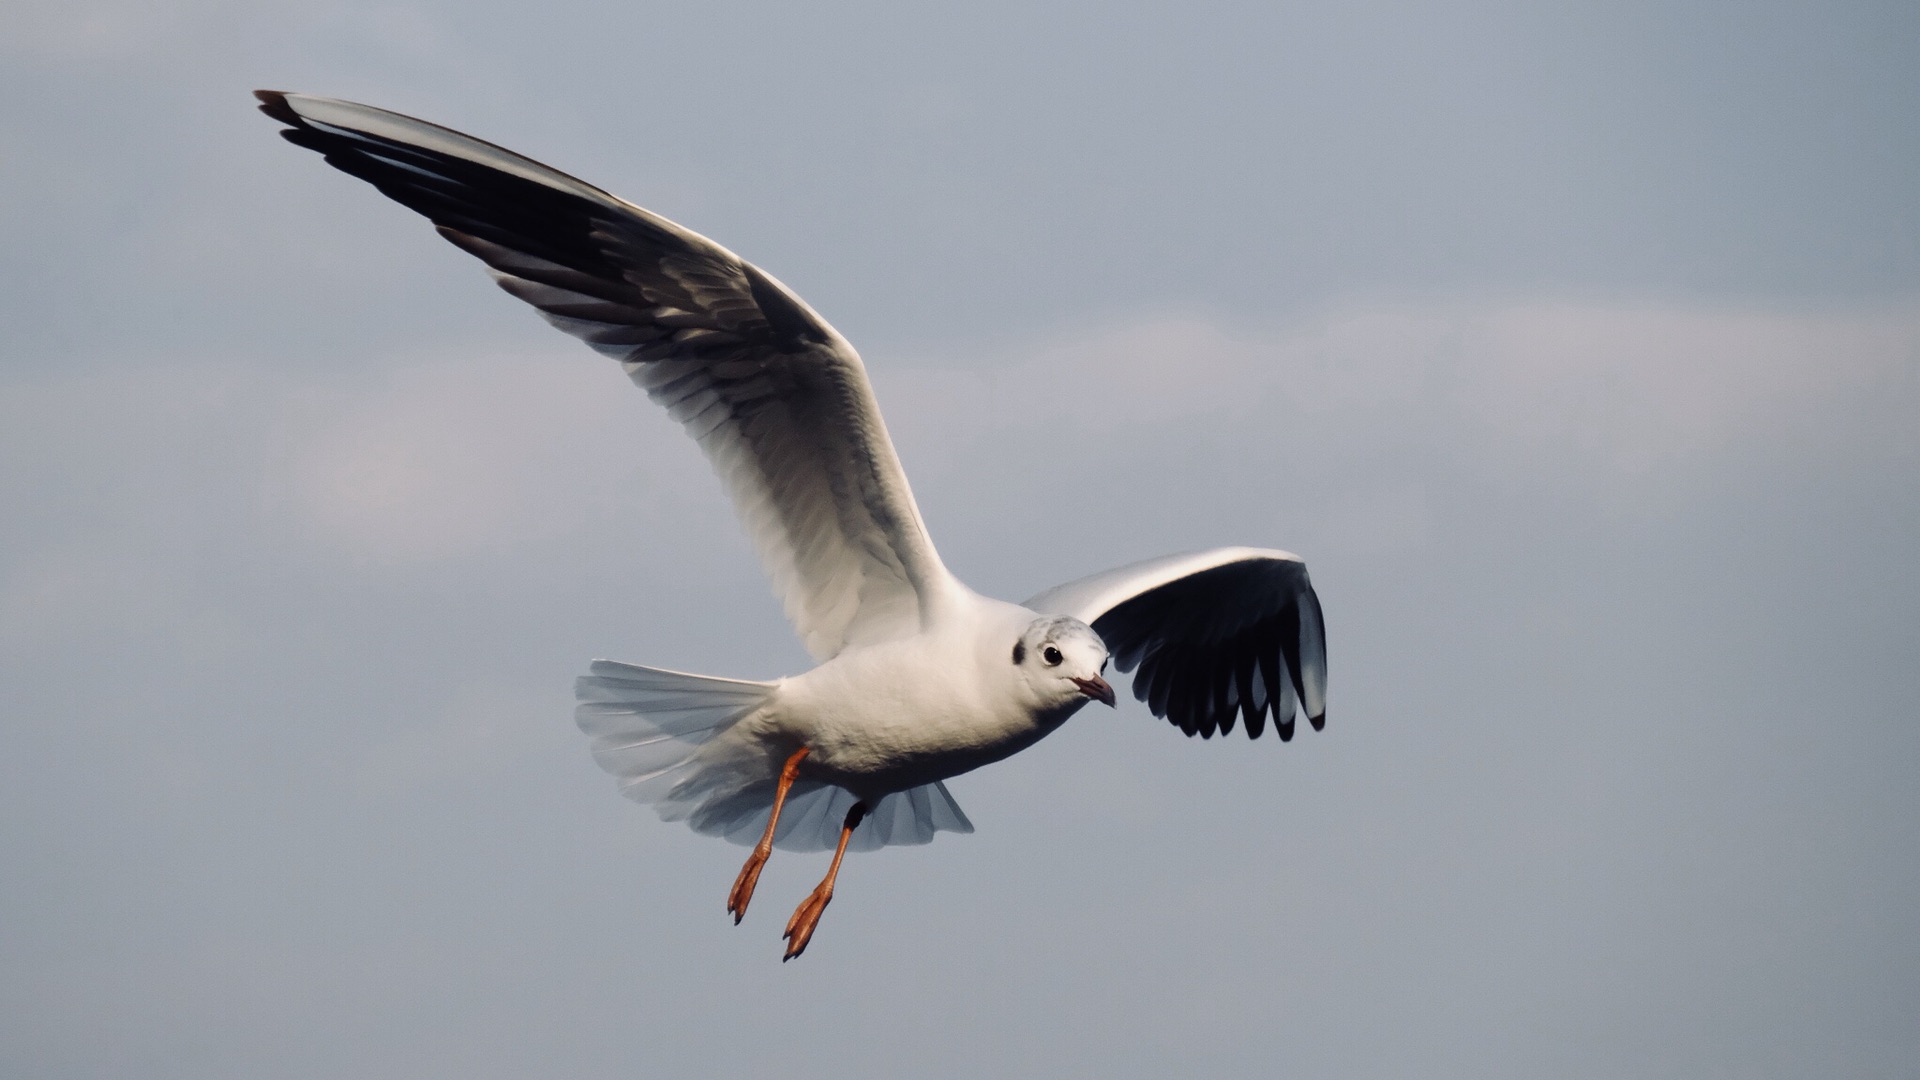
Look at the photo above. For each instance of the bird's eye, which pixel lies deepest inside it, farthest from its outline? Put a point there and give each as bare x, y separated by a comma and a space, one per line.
1051, 655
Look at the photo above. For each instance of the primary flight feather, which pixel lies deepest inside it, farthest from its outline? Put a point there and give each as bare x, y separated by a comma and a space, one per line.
919, 678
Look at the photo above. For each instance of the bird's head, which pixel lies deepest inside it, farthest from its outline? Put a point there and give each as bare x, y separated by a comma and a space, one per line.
1062, 658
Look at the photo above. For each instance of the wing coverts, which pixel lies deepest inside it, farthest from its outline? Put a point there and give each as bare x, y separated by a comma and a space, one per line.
775, 396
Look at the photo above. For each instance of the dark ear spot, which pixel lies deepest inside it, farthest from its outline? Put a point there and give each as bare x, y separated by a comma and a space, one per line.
1019, 653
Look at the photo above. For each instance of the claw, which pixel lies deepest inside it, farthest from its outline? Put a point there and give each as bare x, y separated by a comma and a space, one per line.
805, 918
744, 885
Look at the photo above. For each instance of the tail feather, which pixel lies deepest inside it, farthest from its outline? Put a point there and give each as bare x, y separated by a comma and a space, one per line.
648, 725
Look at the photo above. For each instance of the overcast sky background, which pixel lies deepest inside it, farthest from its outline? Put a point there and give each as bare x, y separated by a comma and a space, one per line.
1576, 347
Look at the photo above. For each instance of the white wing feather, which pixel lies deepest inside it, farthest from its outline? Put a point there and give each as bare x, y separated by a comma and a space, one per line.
777, 399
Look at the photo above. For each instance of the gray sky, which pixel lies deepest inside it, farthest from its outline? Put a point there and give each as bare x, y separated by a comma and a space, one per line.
1576, 347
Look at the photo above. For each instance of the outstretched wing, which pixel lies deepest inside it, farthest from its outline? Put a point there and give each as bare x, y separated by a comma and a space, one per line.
775, 396
1216, 634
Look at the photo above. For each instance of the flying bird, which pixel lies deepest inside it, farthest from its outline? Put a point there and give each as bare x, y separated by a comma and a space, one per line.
918, 677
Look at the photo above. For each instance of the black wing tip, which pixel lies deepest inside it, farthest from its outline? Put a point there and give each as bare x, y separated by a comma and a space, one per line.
274, 104
1207, 727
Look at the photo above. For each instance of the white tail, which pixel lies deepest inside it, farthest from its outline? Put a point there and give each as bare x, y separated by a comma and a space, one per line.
648, 725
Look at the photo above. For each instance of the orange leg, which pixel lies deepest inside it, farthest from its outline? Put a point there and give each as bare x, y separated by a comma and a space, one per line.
750, 873
807, 915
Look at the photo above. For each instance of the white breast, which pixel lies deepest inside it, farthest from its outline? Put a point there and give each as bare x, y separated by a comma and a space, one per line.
903, 713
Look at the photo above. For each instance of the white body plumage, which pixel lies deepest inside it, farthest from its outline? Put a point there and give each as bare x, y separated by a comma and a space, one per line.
919, 678
899, 714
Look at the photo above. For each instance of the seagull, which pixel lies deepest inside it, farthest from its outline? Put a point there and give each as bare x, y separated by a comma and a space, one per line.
918, 678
